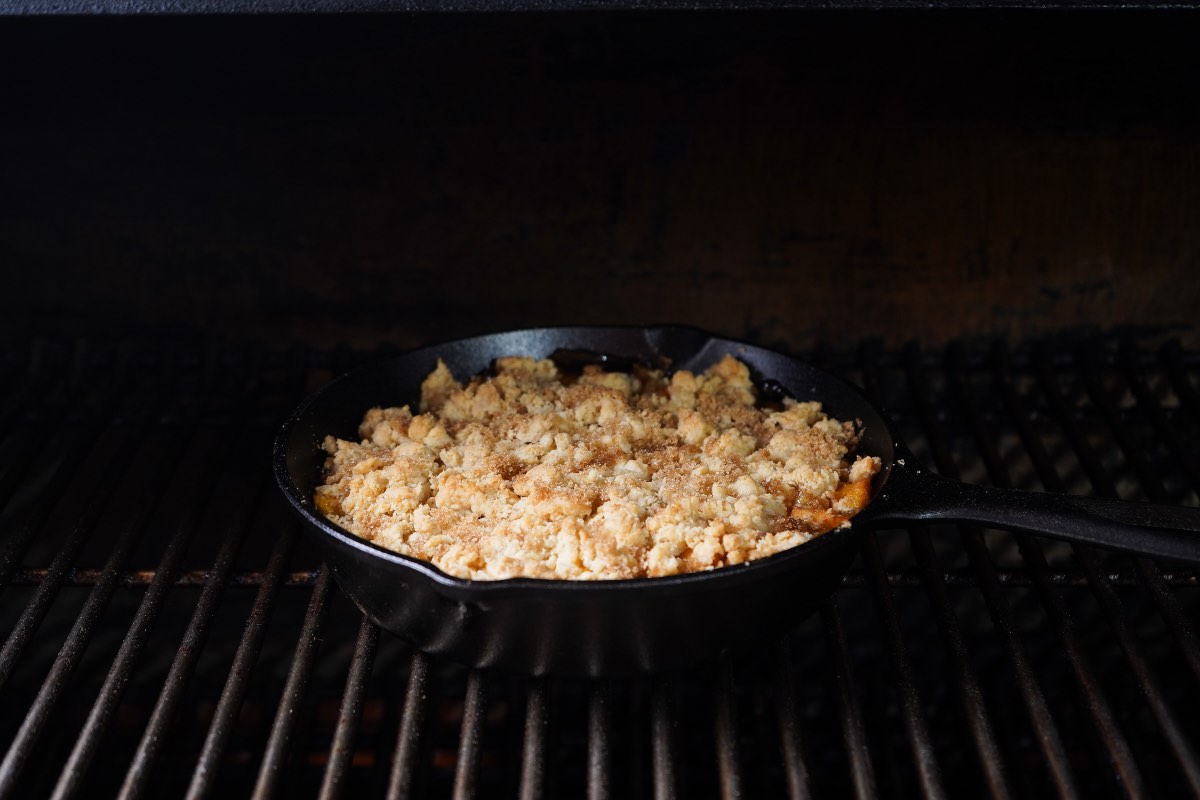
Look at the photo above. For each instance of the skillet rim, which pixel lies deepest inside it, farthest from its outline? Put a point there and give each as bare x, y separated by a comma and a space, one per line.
522, 585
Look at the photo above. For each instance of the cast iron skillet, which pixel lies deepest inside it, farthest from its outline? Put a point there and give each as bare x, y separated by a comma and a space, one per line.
614, 627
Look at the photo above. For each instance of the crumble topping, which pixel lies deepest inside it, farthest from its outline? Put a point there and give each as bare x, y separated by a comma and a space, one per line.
606, 475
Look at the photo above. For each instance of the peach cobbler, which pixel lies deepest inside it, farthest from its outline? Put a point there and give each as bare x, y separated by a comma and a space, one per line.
530, 473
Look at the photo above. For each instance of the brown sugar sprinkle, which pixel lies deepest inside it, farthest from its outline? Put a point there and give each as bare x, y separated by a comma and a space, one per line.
595, 475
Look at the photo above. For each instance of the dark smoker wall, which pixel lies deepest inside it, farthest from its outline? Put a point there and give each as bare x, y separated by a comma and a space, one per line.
789, 177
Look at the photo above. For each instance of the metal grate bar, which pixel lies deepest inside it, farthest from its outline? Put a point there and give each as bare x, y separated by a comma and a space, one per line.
39, 395
29, 389
1102, 484
1110, 603
191, 645
404, 762
1171, 611
1117, 748
239, 674
924, 758
1189, 398
21, 535
1130, 360
1093, 364
97, 501
118, 675
915, 723
662, 733
23, 449
1150, 689
787, 715
969, 693
1178, 575
1027, 684
1152, 485
78, 638
68, 657
470, 745
1028, 687
728, 770
1167, 604
533, 750
31, 618
32, 576
599, 756
854, 734
294, 689
965, 681
351, 710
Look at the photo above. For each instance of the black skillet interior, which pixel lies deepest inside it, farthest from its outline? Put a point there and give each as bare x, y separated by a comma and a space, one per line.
571, 627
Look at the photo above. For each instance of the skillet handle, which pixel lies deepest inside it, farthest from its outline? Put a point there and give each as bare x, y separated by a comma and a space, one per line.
913, 494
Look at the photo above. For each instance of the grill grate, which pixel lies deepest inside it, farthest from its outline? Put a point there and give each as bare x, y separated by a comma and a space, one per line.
167, 632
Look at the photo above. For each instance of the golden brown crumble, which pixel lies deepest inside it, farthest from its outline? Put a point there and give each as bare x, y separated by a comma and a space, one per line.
609, 475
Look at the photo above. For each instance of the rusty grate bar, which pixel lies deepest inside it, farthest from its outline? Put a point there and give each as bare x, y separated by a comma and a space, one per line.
33, 576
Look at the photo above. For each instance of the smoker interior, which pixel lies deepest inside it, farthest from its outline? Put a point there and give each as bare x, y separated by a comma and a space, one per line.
204, 219
167, 630
802, 177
